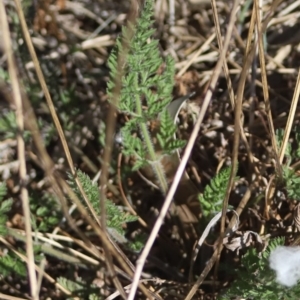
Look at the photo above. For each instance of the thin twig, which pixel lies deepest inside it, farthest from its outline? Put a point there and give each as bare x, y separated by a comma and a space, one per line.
45, 275
237, 105
62, 138
125, 200
290, 120
50, 104
60, 186
214, 257
171, 13
142, 259
16, 90
110, 130
8, 297
265, 84
246, 197
189, 62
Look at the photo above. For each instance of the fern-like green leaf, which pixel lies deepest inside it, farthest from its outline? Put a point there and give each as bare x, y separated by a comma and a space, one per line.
166, 133
11, 264
255, 280
5, 207
116, 218
91, 189
80, 288
3, 191
8, 126
71, 285
147, 80
212, 199
292, 181
45, 212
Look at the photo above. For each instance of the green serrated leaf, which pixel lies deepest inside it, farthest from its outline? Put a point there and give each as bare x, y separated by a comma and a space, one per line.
2, 191
147, 81
255, 280
214, 193
11, 264
116, 217
6, 206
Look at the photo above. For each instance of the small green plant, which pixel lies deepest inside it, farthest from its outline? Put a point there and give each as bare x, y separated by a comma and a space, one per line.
116, 216
256, 280
10, 264
5, 207
146, 80
291, 179
8, 126
292, 182
45, 213
290, 153
79, 288
212, 199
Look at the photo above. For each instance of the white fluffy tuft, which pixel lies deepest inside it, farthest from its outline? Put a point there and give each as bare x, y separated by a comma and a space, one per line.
285, 261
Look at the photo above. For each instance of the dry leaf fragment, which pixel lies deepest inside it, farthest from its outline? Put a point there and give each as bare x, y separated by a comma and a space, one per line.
244, 240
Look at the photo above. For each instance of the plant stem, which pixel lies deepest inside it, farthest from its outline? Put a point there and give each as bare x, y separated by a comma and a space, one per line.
154, 160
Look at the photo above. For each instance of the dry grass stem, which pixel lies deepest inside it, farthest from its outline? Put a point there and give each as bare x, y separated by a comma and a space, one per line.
77, 220
16, 90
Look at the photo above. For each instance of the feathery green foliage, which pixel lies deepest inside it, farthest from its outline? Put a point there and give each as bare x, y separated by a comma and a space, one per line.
291, 179
292, 182
45, 212
147, 80
5, 207
80, 288
10, 264
257, 281
166, 134
8, 126
290, 153
91, 189
116, 217
279, 138
212, 199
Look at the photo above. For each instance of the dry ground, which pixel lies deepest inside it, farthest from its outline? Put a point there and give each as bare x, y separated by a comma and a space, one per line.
72, 40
